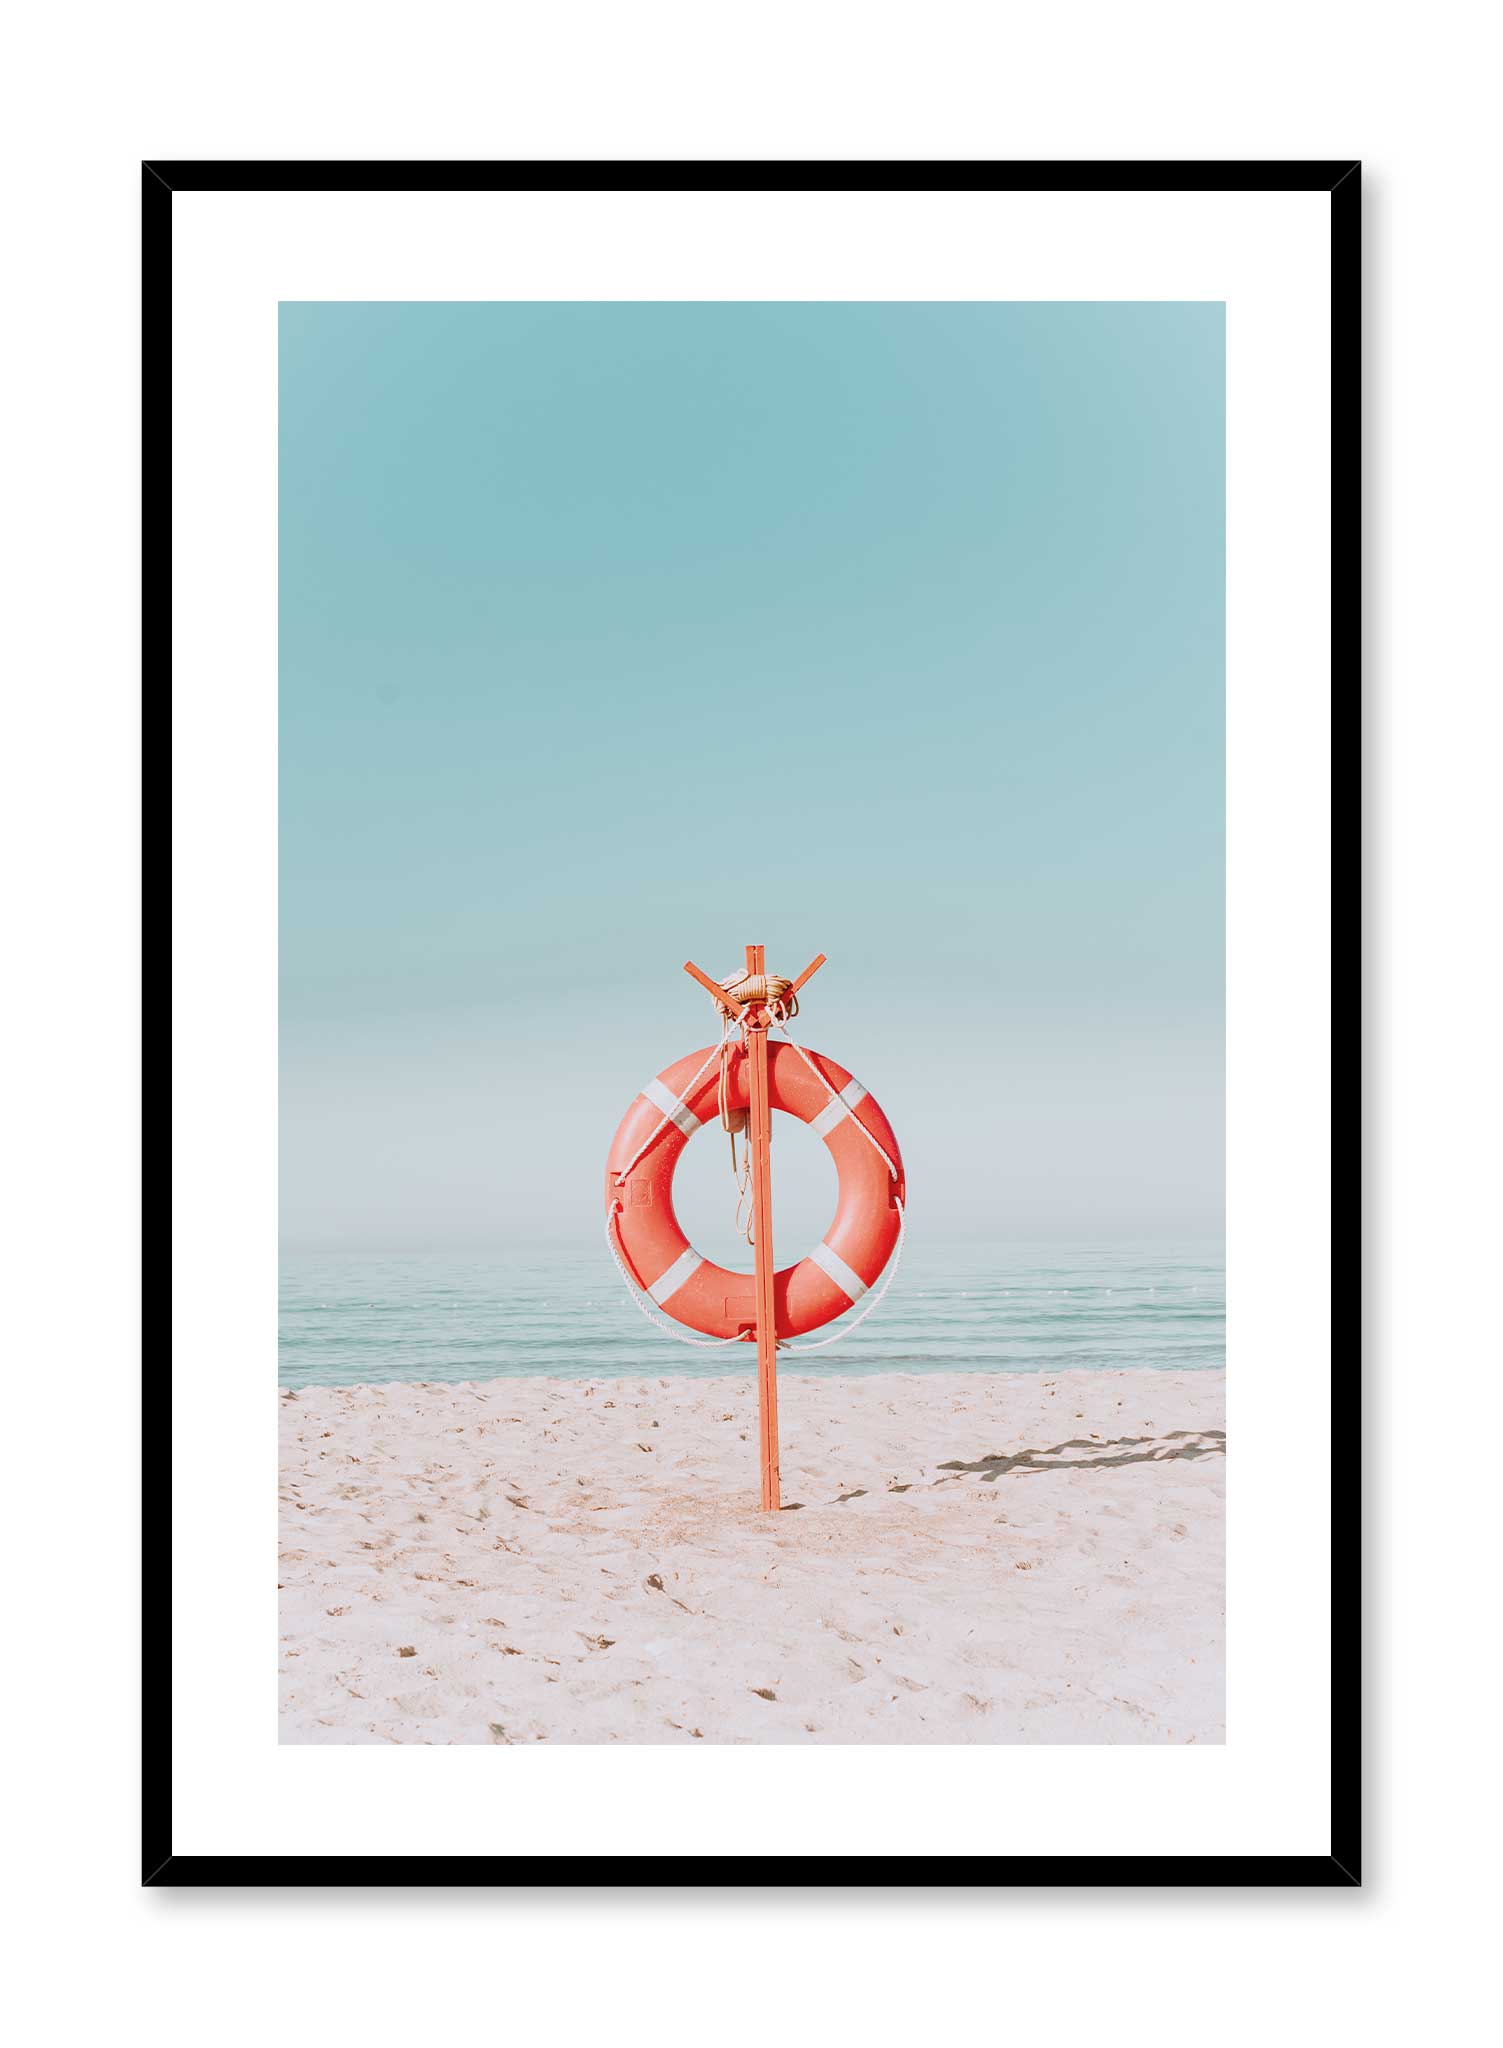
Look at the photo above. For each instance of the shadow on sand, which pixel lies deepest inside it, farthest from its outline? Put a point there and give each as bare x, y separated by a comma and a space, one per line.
1117, 1450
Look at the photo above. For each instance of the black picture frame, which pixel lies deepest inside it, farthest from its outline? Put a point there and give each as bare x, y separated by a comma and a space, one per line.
1341, 179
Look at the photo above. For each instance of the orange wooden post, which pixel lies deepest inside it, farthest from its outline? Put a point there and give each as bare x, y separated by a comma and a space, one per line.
757, 1019
761, 1155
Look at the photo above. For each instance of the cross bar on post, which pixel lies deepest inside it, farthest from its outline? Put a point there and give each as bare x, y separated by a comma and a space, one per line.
809, 972
722, 996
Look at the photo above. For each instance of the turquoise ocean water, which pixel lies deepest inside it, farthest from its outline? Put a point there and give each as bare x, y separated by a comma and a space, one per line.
351, 1317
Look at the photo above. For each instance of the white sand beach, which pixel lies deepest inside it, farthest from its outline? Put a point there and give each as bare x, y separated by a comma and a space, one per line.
963, 1557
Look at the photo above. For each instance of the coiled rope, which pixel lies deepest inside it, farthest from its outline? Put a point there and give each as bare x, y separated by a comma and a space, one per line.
776, 990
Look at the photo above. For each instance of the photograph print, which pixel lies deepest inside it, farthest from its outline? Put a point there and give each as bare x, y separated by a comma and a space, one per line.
752, 905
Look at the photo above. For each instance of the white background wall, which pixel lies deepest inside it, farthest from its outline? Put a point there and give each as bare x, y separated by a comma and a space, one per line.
88, 92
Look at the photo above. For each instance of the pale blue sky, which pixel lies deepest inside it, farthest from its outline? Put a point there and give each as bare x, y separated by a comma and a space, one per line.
615, 634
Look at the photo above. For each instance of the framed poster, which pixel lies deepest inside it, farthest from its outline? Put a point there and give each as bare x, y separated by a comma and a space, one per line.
780, 1413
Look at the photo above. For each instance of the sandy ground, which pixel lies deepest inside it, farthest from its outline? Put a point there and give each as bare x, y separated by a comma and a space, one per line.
973, 1558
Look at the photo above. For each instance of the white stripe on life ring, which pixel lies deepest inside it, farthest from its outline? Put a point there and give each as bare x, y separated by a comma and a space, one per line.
683, 1269
848, 1282
671, 1107
836, 1108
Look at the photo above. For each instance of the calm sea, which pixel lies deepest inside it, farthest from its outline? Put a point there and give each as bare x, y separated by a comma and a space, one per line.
348, 1317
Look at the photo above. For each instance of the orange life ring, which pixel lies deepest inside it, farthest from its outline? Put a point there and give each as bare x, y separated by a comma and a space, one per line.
693, 1289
